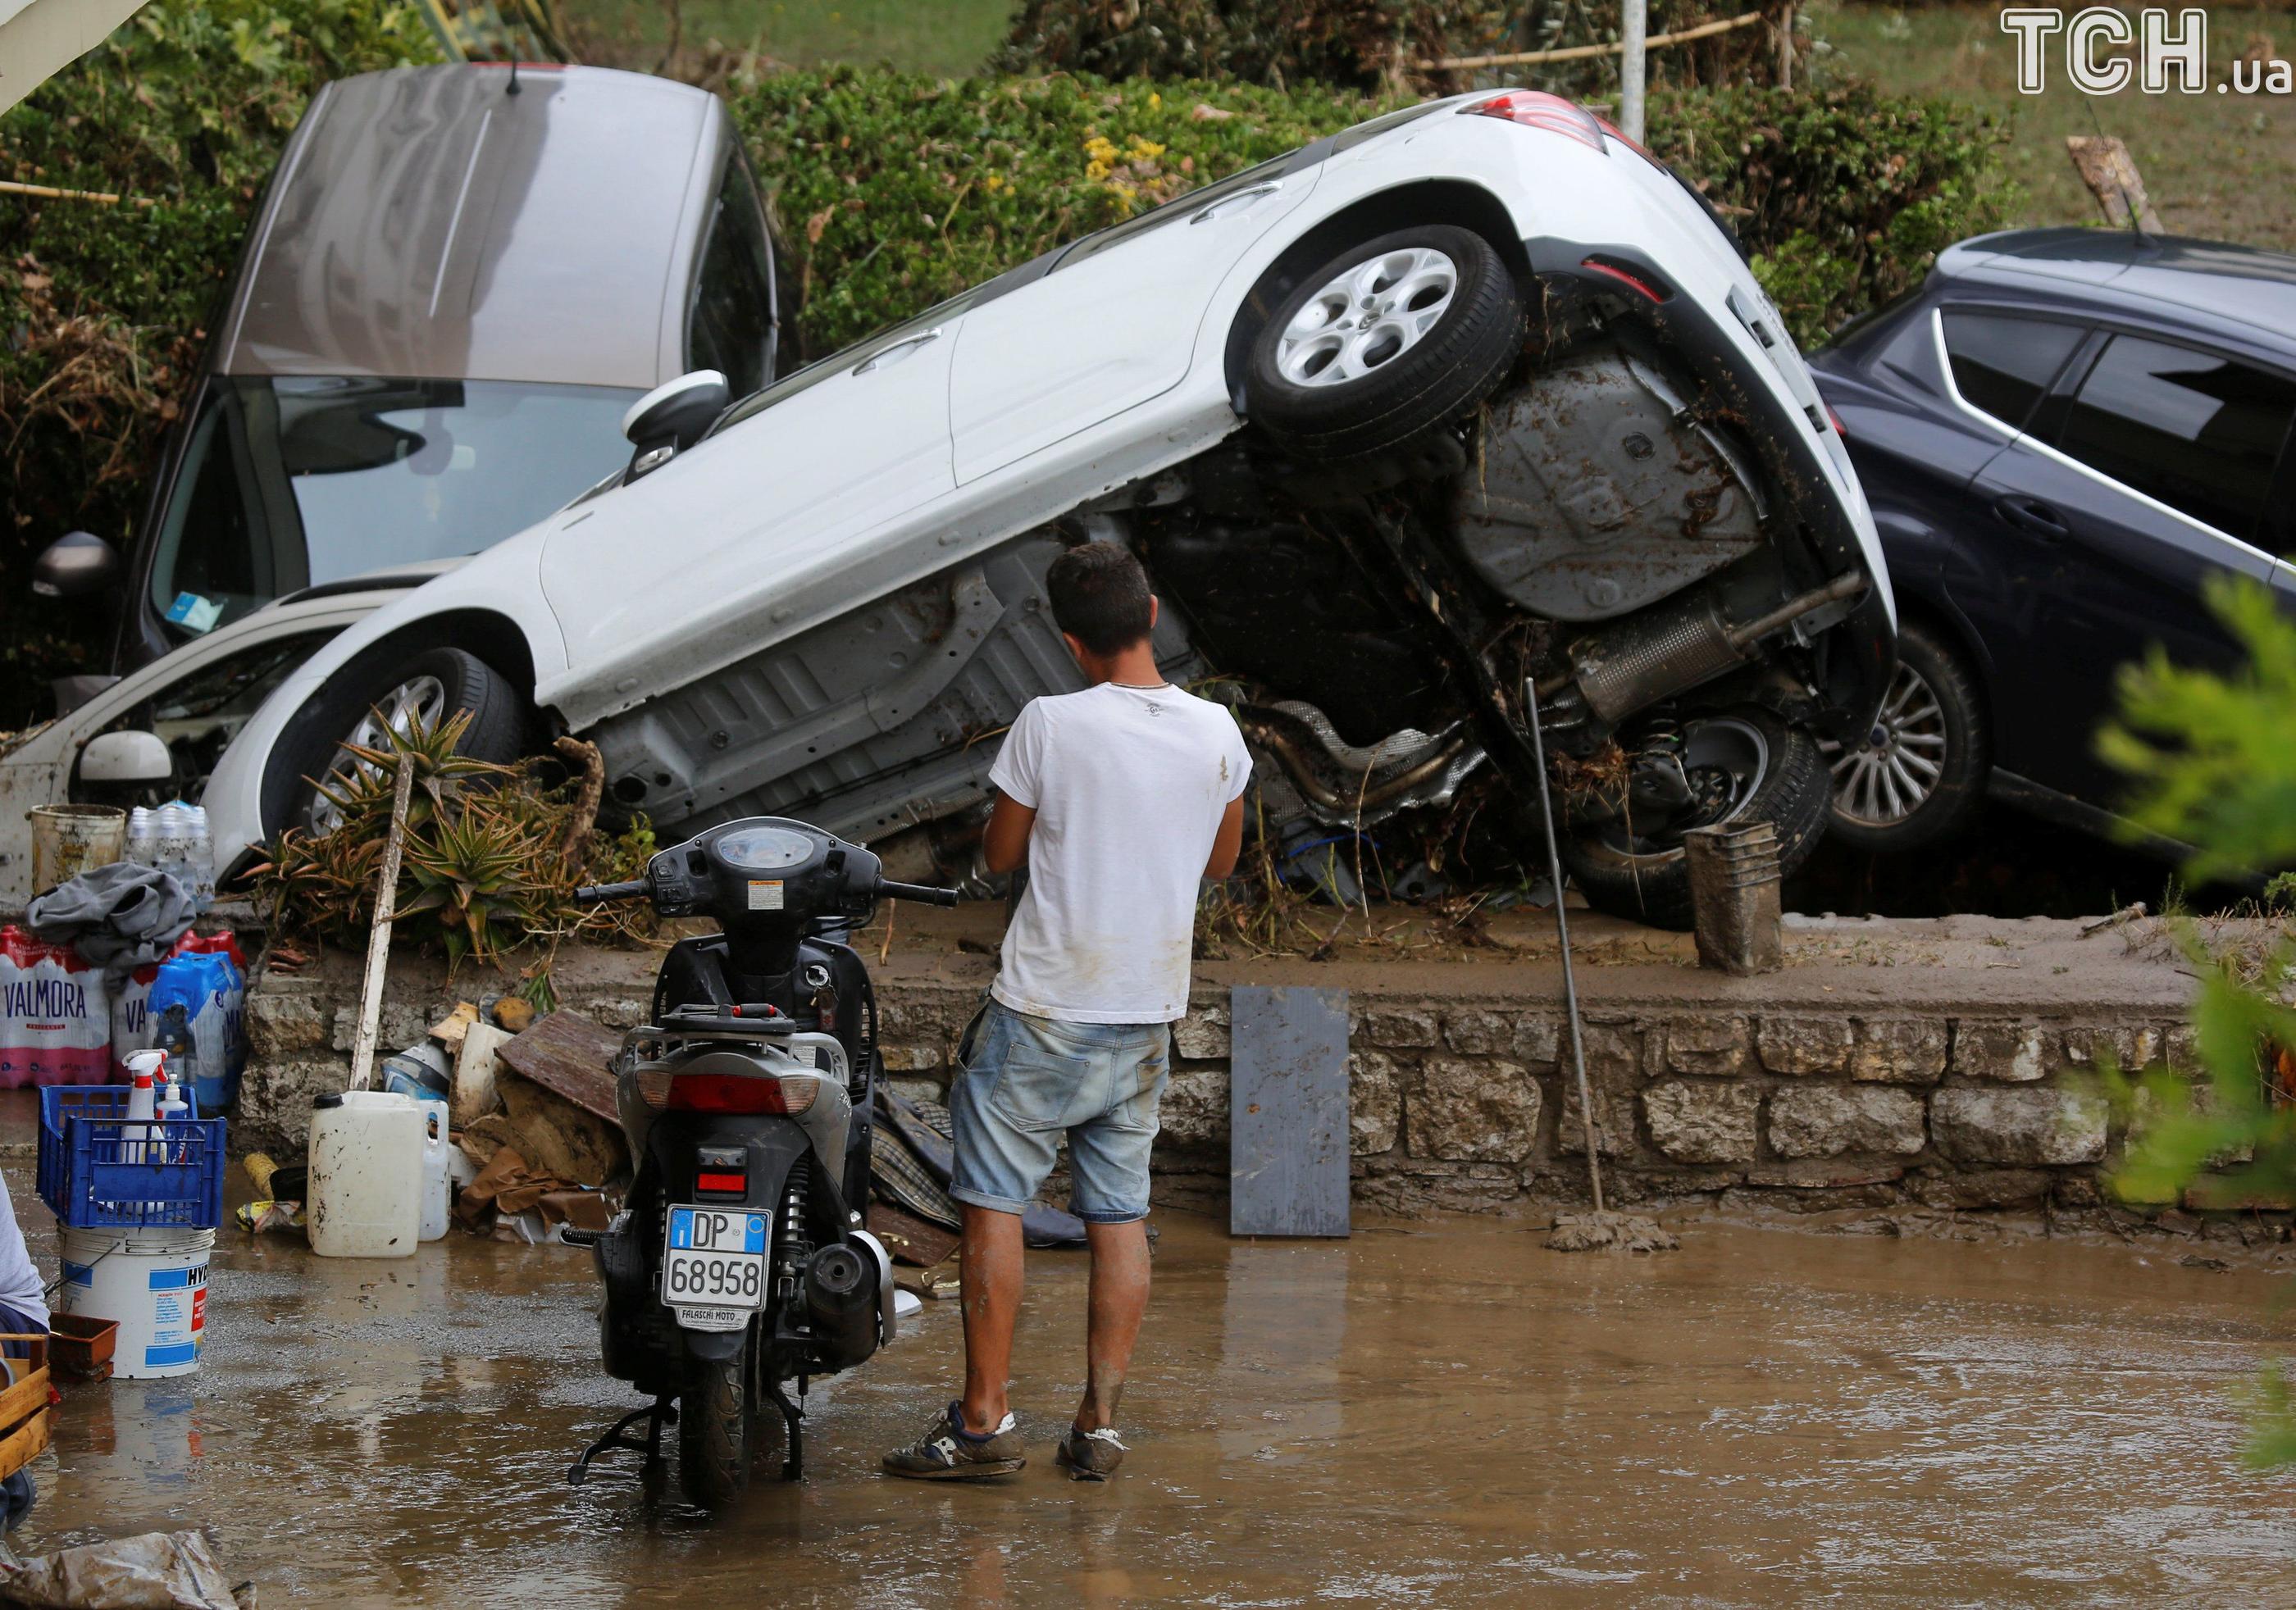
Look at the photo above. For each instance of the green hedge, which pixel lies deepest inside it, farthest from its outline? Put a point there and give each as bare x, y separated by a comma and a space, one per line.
894, 191
103, 306
1845, 195
1365, 45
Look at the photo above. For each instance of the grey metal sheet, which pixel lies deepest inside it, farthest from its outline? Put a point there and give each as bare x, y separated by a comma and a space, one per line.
1288, 1112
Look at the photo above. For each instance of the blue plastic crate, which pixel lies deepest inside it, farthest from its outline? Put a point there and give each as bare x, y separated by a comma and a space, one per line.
177, 1183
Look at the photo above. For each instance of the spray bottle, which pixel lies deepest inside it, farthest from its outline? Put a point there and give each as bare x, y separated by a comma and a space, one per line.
135, 1131
171, 1108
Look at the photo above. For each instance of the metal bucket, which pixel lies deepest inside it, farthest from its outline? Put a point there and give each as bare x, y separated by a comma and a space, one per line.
67, 839
1734, 873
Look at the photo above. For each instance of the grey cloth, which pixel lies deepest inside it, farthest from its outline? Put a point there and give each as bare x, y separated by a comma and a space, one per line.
119, 917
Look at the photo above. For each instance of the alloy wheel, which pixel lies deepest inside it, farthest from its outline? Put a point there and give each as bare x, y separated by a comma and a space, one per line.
1892, 773
1368, 316
418, 702
1726, 761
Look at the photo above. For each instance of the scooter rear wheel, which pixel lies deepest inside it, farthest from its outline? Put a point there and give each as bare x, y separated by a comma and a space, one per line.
716, 1428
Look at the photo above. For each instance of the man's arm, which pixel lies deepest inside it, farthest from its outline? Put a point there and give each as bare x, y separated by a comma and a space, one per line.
1226, 844
1005, 845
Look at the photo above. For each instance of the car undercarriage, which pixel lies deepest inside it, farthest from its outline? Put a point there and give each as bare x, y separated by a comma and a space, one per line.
1601, 535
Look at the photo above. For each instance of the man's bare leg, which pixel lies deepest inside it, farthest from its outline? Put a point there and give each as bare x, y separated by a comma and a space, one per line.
990, 1265
1119, 1297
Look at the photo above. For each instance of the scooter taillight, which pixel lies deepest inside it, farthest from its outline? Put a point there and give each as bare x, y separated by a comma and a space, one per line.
728, 1093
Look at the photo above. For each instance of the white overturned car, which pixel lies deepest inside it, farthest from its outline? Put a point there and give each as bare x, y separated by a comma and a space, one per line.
1470, 405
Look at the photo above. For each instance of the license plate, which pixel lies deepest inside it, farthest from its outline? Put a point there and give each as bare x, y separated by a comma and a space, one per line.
713, 1270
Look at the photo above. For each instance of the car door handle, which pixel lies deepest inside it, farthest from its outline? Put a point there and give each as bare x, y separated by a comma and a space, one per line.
1236, 202
2032, 516
882, 353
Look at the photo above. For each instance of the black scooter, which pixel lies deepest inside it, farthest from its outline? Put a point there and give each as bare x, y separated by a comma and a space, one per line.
741, 1263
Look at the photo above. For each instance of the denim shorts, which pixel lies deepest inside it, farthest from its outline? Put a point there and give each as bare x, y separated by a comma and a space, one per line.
1023, 1081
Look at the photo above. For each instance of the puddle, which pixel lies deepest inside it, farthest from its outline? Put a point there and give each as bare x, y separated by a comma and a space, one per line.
1444, 1414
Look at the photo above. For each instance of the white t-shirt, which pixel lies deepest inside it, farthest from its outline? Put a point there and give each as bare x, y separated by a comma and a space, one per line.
1128, 785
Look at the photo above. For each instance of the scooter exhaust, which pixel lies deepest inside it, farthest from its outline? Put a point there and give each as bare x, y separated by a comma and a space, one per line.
842, 1296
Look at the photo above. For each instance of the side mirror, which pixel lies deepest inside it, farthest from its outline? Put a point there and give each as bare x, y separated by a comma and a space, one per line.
76, 565
671, 418
126, 758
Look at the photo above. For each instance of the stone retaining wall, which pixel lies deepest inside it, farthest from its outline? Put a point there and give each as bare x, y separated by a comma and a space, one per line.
1469, 1105
1907, 1092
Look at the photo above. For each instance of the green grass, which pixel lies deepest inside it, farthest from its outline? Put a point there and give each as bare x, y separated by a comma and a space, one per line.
2220, 165
946, 37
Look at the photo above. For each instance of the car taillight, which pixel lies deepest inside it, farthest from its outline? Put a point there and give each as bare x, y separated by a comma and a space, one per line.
1835, 420
1537, 109
728, 1093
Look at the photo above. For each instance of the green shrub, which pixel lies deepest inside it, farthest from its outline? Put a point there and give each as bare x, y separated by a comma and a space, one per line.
894, 190
103, 306
1844, 194
1363, 44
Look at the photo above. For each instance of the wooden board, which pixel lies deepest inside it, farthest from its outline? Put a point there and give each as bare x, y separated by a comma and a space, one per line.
909, 1239
568, 1055
22, 1445
1288, 1112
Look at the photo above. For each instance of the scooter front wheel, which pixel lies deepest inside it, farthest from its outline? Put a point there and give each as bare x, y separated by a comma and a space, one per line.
716, 1428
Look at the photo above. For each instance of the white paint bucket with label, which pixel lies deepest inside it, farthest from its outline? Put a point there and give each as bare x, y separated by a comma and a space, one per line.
154, 1282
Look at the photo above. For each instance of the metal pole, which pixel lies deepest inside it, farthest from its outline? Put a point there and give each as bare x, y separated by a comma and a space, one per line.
1633, 32
1563, 932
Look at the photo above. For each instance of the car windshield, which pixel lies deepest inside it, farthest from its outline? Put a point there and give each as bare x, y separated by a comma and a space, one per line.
291, 482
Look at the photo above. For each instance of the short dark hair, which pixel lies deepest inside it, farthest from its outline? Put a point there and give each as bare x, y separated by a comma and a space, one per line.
1099, 596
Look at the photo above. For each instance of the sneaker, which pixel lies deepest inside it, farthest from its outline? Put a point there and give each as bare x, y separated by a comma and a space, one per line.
1090, 1456
948, 1452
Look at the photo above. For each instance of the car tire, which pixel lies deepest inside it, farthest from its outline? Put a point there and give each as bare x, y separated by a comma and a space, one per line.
430, 686
1785, 781
1318, 392
1921, 776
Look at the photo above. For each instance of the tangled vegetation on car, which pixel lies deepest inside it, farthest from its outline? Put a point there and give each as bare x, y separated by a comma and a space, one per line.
491, 854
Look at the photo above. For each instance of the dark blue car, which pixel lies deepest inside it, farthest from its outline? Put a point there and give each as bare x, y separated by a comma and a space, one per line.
2064, 434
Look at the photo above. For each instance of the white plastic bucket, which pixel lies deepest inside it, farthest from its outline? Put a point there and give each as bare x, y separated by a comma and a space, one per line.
154, 1282
68, 840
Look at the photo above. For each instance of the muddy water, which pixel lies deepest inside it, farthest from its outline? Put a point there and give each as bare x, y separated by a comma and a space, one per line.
1436, 1414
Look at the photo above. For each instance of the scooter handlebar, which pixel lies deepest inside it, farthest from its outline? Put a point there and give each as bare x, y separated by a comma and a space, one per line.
598, 894
922, 894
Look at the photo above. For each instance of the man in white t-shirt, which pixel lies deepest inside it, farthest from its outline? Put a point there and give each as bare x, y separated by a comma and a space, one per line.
1119, 801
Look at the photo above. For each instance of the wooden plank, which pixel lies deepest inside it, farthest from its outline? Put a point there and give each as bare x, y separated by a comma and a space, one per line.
472, 1095
2110, 172
21, 1446
909, 1239
1288, 1112
24, 1397
568, 1055
1582, 53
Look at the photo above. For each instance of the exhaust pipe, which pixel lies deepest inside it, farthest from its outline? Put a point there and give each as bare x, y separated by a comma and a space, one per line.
1665, 651
841, 1298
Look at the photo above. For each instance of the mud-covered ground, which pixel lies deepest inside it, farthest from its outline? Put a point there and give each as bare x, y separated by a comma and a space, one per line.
1437, 1413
